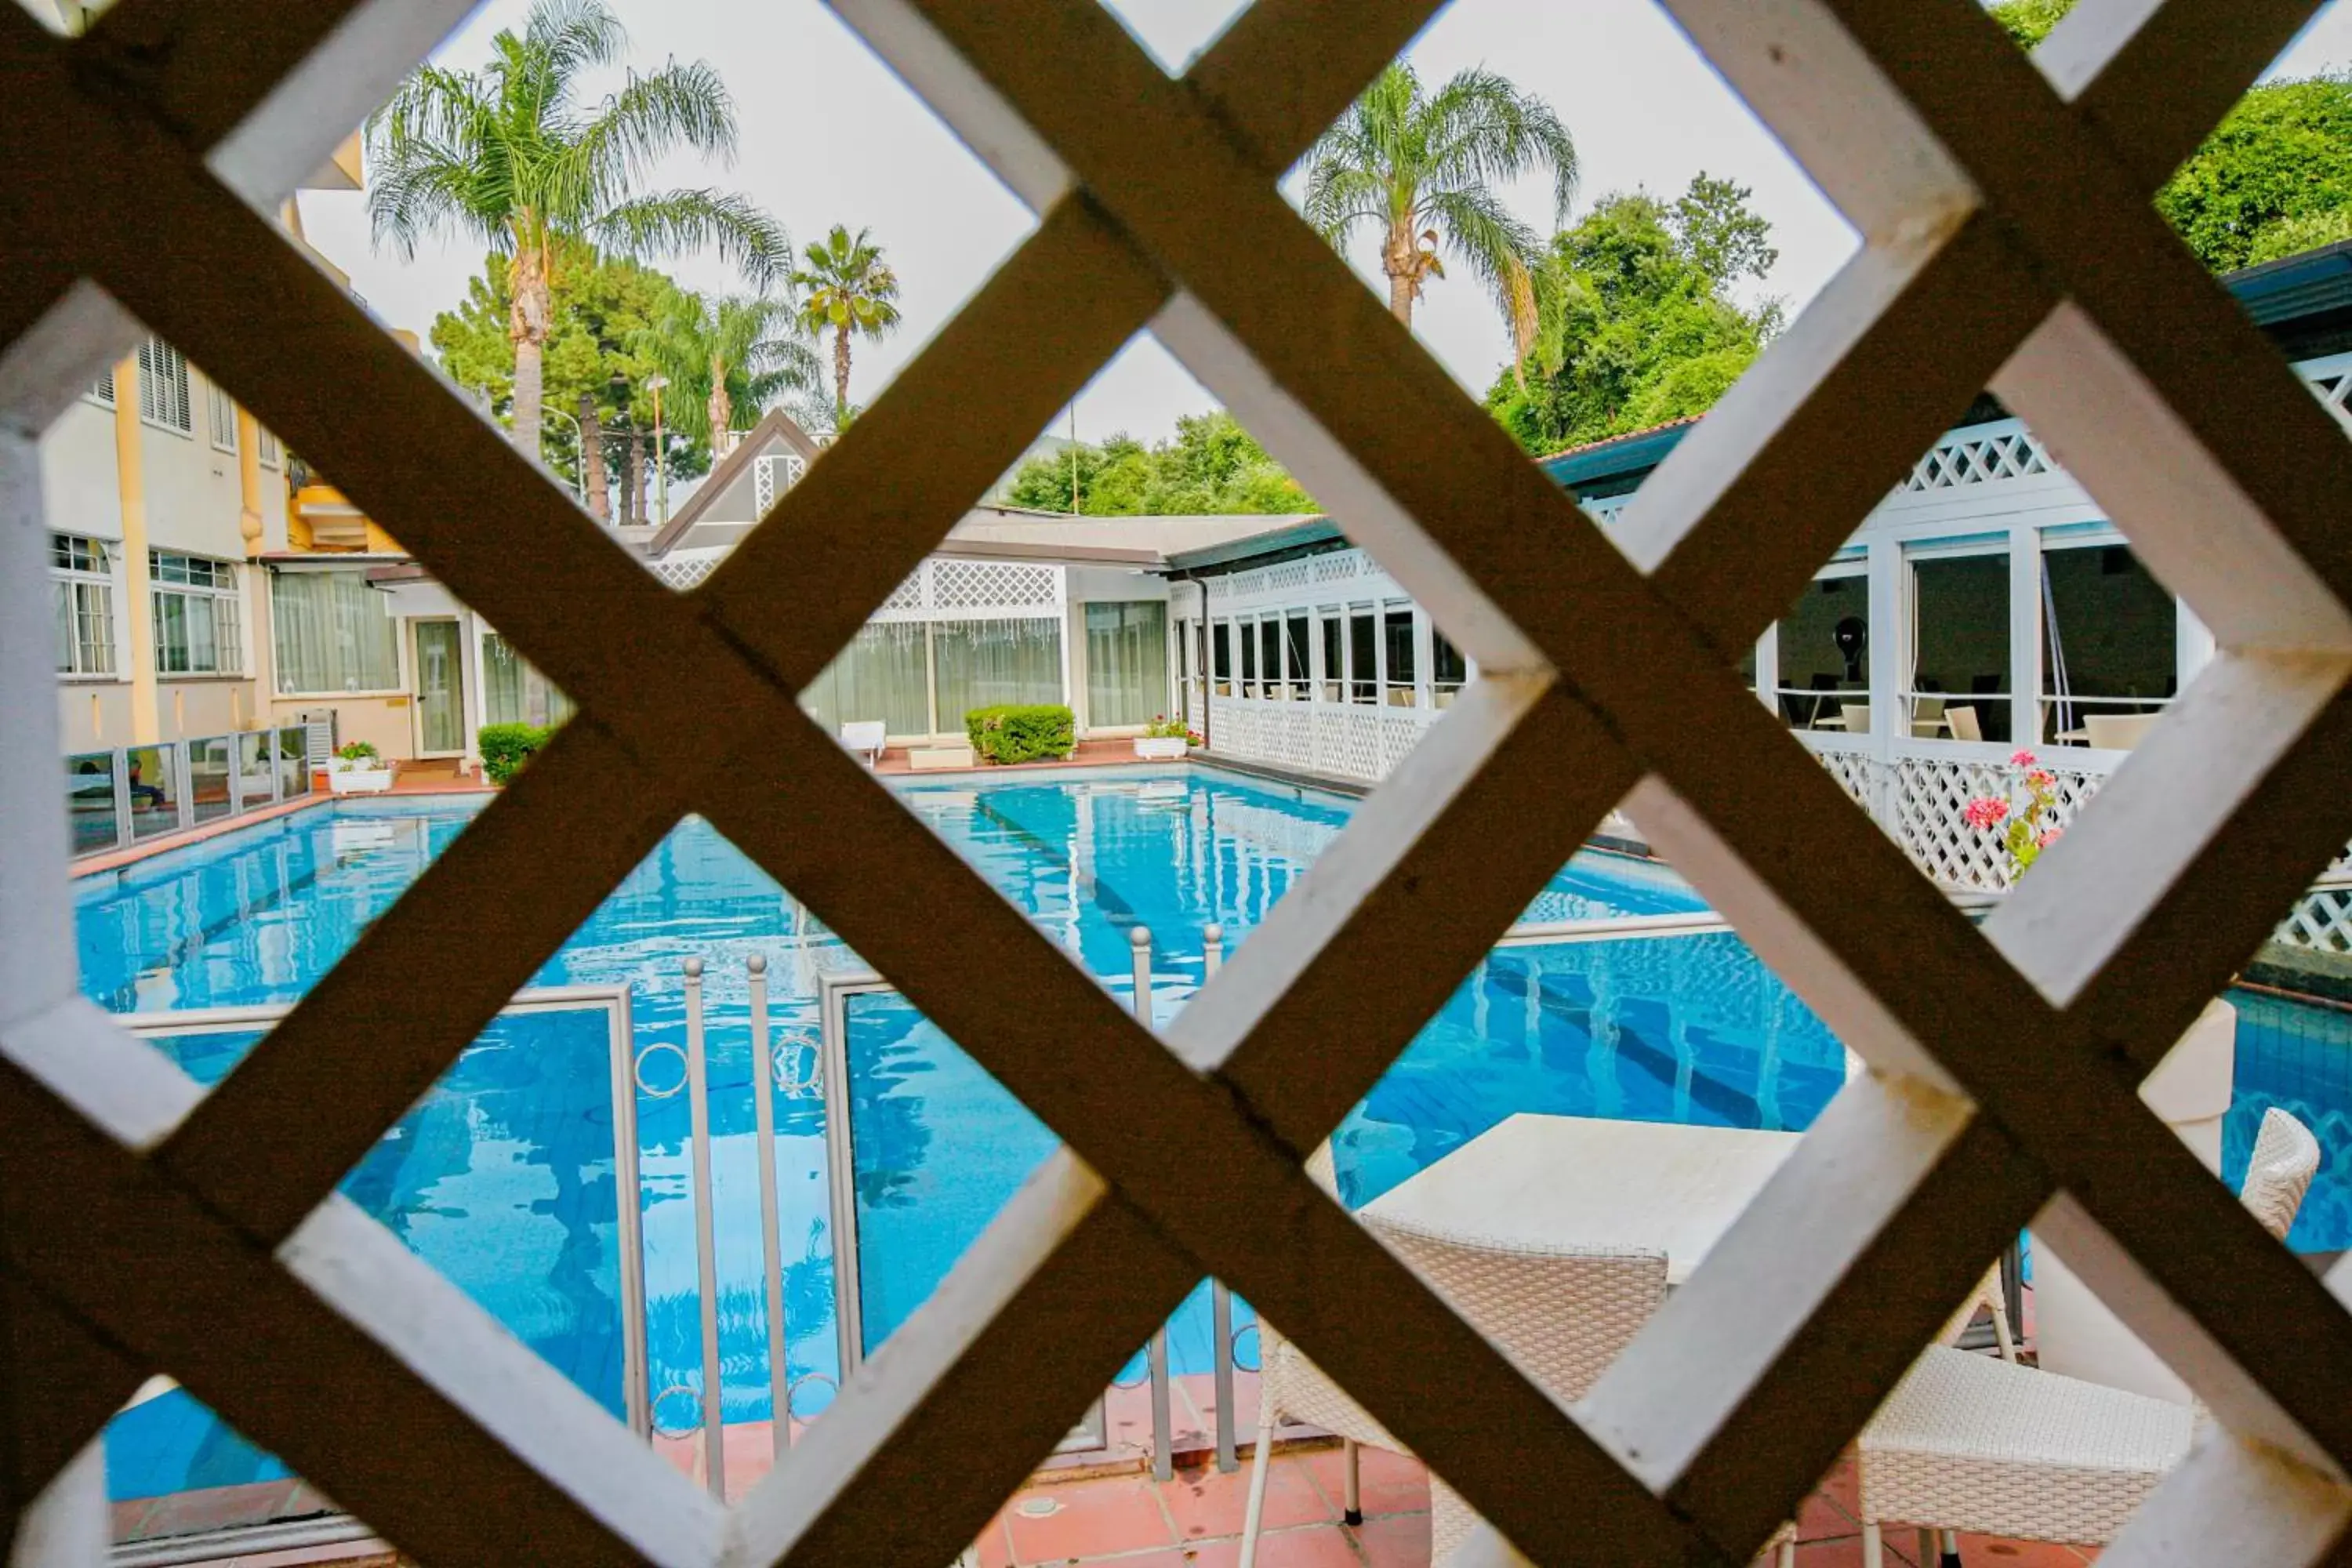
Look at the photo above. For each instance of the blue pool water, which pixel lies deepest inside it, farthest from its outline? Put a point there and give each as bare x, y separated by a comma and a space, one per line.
503, 1178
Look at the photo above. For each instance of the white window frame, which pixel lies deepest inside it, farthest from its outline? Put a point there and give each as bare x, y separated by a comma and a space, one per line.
266, 448
88, 575
101, 391
207, 585
220, 417
165, 400
399, 657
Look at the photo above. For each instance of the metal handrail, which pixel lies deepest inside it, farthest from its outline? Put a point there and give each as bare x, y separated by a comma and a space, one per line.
177, 786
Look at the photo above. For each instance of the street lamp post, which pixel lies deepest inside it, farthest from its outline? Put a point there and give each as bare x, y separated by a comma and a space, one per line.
579, 451
654, 384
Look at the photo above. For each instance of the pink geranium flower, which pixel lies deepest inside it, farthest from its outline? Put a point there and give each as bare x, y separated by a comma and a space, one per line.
2021, 758
2048, 839
2042, 779
1987, 811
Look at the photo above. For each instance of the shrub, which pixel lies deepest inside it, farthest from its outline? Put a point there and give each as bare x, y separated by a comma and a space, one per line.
1022, 733
506, 747
358, 751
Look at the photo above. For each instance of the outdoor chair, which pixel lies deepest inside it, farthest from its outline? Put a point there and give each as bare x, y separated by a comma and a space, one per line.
1964, 724
865, 737
2118, 731
1969, 1443
1563, 1314
1856, 716
1928, 716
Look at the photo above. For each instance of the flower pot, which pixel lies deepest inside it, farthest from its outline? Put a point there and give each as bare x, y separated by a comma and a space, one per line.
359, 781
1159, 748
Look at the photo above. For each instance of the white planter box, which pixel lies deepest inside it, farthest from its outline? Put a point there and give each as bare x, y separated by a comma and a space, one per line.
360, 781
1159, 748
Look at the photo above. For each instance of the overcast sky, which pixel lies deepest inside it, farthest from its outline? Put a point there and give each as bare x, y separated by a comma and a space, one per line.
828, 135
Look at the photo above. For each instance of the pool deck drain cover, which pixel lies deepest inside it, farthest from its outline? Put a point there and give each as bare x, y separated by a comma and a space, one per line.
1041, 1508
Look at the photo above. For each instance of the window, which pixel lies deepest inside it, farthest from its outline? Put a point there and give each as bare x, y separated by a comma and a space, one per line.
1335, 657
103, 389
1221, 656
1448, 670
1825, 651
82, 588
198, 621
1957, 684
163, 387
2110, 645
333, 634
1363, 652
1397, 626
265, 445
1248, 633
884, 674
1269, 655
1126, 663
982, 664
220, 414
1294, 640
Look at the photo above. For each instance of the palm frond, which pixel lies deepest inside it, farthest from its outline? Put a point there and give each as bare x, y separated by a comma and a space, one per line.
569, 35
677, 221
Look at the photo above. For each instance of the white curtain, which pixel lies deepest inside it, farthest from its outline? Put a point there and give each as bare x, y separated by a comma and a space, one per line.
880, 675
515, 693
333, 634
982, 664
1126, 663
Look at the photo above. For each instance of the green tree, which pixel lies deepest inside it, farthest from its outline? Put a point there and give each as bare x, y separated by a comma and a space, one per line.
1212, 467
2273, 179
729, 359
507, 156
2030, 21
848, 288
600, 311
1635, 326
1423, 170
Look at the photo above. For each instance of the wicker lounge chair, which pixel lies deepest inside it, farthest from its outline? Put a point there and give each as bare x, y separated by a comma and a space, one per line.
1563, 1314
1968, 1442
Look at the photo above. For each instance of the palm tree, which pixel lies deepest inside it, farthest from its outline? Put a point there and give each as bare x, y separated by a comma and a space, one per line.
728, 360
506, 155
1423, 170
849, 289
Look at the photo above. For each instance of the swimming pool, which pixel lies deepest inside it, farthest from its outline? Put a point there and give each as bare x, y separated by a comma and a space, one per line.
502, 1176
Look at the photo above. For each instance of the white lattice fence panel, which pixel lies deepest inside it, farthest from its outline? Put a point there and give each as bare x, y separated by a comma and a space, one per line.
682, 573
2321, 921
1000, 585
2332, 387
1978, 459
1856, 773
1931, 798
1347, 744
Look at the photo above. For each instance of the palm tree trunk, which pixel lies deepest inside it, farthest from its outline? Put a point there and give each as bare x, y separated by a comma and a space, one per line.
592, 457
1400, 258
841, 370
722, 408
527, 326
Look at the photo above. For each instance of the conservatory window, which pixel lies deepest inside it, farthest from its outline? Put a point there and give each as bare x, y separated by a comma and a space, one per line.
1957, 684
884, 673
1248, 634
1397, 643
1295, 642
1332, 630
985, 664
1126, 663
1269, 654
1221, 656
1363, 655
2110, 645
1824, 643
1448, 670
515, 693
332, 633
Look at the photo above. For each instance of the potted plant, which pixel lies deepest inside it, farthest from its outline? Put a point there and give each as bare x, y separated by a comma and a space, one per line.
1162, 741
357, 768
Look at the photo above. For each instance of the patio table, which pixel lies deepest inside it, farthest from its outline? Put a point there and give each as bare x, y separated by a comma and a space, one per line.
1585, 1181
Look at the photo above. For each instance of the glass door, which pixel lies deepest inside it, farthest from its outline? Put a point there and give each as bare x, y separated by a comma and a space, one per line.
440, 690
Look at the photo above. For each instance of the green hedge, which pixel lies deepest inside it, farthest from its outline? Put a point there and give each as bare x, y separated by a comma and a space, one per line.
506, 747
1022, 733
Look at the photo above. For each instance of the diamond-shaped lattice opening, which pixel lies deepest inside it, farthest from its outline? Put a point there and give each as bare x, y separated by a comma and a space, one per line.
1635, 291
1176, 32
184, 1486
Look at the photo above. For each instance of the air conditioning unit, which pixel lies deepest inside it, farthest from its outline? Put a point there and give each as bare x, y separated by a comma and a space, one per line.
321, 724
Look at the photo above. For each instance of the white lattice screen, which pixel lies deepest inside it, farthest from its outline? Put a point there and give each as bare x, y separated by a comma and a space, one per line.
2009, 240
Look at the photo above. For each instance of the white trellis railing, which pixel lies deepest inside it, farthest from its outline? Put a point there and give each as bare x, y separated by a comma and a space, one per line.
1343, 740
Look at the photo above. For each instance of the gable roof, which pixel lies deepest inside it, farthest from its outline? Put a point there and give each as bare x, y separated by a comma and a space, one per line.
774, 425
